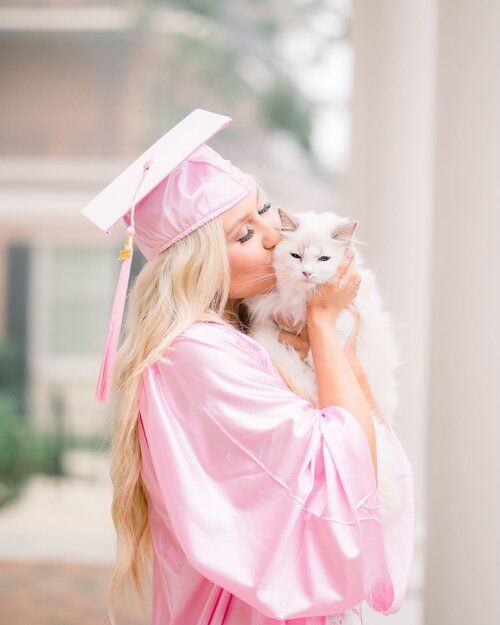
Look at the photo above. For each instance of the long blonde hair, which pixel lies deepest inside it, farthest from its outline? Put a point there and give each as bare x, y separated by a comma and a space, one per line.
187, 282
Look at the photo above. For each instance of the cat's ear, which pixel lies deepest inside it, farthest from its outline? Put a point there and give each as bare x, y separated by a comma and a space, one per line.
345, 231
287, 222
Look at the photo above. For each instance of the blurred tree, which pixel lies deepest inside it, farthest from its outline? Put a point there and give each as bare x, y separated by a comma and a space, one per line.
10, 358
230, 55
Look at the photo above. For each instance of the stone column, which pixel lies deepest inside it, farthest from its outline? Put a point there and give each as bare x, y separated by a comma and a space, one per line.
391, 192
463, 548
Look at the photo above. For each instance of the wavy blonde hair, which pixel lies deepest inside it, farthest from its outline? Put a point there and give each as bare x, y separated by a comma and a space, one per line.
187, 282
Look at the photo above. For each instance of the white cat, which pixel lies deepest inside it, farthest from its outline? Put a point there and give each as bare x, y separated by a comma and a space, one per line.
308, 255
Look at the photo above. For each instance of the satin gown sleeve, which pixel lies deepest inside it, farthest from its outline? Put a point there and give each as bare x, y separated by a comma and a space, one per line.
269, 497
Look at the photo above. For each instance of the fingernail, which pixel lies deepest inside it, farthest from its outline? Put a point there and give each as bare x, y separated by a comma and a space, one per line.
349, 252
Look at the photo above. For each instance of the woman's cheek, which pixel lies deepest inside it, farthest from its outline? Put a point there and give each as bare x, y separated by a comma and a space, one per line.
246, 258
237, 261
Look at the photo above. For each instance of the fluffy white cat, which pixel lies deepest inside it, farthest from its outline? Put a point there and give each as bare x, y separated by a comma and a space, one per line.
308, 255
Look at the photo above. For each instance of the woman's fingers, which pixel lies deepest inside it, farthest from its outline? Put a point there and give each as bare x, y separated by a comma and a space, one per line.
292, 328
351, 275
300, 344
299, 340
345, 264
281, 322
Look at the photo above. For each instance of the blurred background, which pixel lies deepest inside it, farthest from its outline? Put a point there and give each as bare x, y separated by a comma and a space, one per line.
386, 111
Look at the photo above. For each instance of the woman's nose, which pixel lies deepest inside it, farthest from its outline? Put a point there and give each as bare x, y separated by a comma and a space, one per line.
272, 236
272, 233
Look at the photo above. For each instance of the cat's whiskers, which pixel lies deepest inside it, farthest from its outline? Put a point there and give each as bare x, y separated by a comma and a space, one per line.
285, 277
266, 277
255, 280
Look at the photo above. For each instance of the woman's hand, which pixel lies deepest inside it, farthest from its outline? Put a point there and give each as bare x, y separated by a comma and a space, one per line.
294, 335
331, 297
298, 338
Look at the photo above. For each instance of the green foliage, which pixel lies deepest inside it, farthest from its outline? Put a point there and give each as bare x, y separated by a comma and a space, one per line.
231, 58
9, 357
202, 7
16, 461
24, 451
283, 107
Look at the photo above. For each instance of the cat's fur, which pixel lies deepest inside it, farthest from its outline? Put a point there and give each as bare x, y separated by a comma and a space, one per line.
320, 235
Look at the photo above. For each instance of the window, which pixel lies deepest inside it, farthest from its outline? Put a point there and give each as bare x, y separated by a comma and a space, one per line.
81, 285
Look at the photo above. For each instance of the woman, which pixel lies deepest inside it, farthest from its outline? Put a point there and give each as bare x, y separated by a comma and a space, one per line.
256, 506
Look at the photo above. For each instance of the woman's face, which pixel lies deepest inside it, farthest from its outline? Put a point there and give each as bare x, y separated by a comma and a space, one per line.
252, 230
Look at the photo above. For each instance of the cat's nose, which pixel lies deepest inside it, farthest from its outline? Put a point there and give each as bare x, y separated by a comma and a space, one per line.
307, 273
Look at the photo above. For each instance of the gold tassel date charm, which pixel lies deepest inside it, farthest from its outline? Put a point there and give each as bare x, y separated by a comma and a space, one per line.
128, 248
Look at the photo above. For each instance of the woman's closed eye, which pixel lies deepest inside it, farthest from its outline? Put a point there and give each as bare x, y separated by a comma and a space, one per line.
250, 231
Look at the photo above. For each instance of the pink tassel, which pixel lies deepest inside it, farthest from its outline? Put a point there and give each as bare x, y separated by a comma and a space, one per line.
108, 360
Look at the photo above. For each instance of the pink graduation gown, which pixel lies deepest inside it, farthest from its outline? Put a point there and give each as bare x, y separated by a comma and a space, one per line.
263, 509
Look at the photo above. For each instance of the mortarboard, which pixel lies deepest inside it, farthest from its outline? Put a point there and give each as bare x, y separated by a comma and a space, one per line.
175, 186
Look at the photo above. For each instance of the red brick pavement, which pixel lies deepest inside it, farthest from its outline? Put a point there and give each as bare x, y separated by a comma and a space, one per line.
33, 593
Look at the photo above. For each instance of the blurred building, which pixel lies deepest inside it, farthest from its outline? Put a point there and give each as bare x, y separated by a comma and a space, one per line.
85, 88
63, 125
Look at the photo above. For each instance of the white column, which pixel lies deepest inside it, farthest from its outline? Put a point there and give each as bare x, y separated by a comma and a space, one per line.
391, 192
463, 561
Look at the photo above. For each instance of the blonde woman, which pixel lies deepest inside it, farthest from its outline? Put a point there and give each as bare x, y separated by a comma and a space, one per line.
249, 504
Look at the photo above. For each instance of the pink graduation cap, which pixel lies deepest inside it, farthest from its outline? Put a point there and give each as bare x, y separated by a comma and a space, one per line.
175, 186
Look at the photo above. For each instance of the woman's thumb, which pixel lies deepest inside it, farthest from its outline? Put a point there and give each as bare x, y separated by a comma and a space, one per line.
346, 261
349, 253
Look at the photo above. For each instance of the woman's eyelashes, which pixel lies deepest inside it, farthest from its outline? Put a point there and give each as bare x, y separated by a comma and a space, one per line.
247, 236
250, 231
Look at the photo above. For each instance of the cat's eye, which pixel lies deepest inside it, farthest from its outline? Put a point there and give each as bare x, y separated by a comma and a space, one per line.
294, 255
324, 258
265, 208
